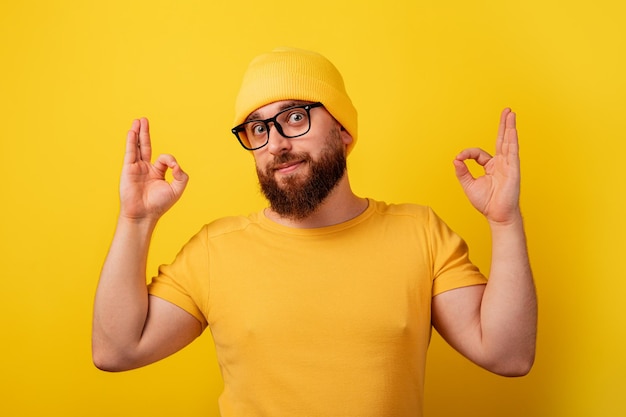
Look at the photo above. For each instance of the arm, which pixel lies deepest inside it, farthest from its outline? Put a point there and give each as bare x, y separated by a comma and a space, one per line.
495, 325
131, 328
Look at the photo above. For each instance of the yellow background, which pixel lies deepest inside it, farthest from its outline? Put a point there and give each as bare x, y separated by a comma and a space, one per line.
429, 78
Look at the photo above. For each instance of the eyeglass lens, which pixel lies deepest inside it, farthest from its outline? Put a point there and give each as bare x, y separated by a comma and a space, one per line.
290, 123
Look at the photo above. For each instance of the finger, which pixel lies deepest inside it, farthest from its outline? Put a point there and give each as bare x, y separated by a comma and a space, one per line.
501, 129
163, 162
510, 146
167, 161
132, 153
180, 178
145, 145
479, 155
463, 174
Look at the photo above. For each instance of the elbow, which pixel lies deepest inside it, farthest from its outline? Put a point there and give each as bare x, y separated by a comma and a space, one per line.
513, 367
105, 366
512, 359
109, 360
105, 363
516, 371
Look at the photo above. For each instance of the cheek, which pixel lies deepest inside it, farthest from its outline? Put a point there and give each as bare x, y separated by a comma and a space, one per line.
259, 159
259, 168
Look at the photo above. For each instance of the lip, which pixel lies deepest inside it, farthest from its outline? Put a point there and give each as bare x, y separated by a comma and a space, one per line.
288, 167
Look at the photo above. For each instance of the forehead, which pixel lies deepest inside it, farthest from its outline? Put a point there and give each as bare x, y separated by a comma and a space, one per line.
269, 110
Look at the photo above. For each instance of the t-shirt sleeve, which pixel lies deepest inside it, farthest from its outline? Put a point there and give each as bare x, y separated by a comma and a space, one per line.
185, 282
452, 267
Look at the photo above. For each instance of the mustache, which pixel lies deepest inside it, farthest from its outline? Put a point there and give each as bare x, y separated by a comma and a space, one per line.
286, 158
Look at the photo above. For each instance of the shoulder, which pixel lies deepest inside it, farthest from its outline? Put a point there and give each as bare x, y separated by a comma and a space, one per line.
409, 210
417, 217
228, 225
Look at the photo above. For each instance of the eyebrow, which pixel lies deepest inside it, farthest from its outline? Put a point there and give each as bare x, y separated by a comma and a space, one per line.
257, 115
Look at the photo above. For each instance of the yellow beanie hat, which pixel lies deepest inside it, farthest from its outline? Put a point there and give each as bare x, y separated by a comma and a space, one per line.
295, 74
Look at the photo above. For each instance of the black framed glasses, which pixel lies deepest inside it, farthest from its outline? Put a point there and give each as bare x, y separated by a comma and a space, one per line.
291, 122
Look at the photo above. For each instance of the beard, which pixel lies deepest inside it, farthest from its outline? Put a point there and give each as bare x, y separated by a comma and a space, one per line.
296, 198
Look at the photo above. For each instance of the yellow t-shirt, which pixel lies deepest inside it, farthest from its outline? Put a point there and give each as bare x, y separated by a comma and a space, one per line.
332, 321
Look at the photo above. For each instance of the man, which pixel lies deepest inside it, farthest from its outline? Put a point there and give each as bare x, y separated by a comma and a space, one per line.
321, 304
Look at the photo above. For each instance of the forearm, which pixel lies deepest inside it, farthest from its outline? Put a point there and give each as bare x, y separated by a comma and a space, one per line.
121, 303
509, 304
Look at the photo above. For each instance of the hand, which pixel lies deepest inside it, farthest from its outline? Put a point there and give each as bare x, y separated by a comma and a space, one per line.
496, 193
144, 191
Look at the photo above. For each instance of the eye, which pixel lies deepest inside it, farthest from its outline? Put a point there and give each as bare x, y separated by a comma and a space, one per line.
297, 116
257, 129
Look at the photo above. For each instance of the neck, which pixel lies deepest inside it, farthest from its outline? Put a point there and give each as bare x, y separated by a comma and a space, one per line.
340, 206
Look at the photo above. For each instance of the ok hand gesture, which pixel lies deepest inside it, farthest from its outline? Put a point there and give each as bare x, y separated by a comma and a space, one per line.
144, 191
496, 193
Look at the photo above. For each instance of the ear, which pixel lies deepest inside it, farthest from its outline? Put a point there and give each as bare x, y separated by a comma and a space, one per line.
346, 137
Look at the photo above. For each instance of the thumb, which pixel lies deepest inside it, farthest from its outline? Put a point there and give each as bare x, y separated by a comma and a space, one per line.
463, 174
179, 177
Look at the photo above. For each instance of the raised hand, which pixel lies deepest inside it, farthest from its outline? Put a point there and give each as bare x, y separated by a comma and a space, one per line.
496, 193
144, 191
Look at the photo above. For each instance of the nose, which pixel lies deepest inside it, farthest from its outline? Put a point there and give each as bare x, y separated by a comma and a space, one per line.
277, 144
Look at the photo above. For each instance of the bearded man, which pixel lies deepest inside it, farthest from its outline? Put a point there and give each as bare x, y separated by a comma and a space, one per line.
323, 303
